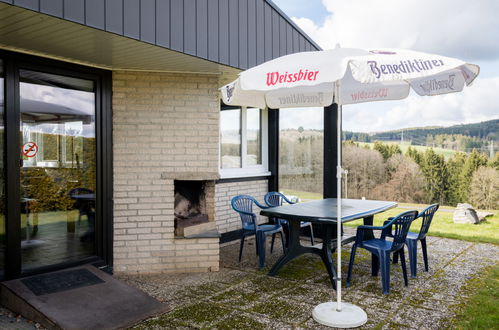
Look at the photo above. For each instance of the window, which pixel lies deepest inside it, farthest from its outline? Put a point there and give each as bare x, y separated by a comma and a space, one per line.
301, 152
243, 142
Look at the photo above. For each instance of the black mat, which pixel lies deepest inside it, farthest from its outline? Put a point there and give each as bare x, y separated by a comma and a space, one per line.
77, 304
61, 281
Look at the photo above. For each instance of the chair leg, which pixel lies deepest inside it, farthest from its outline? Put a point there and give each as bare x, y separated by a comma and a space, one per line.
412, 246
261, 247
384, 263
425, 255
395, 257
272, 243
256, 244
404, 268
374, 264
350, 264
312, 235
241, 248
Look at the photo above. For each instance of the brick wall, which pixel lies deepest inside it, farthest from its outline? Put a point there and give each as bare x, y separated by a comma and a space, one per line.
162, 122
226, 218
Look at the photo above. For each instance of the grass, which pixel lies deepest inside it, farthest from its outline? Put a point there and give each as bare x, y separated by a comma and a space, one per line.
304, 195
447, 153
481, 310
442, 224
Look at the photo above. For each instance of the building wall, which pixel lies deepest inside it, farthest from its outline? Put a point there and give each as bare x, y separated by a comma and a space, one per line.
226, 218
162, 122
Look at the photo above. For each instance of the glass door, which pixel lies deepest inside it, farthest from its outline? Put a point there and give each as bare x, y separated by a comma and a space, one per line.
2, 176
57, 168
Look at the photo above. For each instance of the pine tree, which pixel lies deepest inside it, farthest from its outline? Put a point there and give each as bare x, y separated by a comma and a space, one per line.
414, 154
473, 162
435, 172
455, 167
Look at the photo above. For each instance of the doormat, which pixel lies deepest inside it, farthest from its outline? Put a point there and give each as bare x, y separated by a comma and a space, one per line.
61, 281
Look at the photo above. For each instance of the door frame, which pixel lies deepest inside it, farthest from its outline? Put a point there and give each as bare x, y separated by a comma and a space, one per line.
13, 62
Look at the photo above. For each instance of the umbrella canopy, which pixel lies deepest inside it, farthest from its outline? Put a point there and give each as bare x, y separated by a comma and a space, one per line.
44, 112
346, 76
307, 79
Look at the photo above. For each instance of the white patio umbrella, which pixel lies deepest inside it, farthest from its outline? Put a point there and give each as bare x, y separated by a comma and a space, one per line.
346, 76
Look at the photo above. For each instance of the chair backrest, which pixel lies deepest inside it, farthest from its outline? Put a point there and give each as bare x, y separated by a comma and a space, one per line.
80, 191
426, 217
275, 198
401, 224
243, 204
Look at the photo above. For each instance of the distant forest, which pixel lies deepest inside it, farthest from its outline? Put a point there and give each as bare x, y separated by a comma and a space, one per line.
459, 137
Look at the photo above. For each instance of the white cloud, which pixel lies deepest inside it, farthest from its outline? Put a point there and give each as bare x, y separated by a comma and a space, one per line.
456, 28
476, 103
459, 28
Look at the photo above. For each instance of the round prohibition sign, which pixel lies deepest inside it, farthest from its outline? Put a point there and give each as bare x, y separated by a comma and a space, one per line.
30, 149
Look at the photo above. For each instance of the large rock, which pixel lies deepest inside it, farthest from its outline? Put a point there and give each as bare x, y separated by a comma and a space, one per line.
483, 214
465, 213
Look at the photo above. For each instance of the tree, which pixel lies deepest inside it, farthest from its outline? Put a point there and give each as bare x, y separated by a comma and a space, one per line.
366, 170
457, 189
434, 170
494, 162
414, 155
473, 162
406, 182
485, 188
387, 150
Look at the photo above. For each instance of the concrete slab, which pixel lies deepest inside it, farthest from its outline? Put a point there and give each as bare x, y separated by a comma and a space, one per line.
111, 304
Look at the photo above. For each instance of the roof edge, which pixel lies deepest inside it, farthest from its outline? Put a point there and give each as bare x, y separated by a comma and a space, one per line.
290, 21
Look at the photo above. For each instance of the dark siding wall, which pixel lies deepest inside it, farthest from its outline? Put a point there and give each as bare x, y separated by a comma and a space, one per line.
240, 33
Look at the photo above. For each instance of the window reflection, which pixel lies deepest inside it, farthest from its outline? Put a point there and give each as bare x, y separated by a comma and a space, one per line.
253, 136
230, 138
301, 149
58, 172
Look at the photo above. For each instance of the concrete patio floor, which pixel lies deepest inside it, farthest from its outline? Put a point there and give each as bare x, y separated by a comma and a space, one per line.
242, 297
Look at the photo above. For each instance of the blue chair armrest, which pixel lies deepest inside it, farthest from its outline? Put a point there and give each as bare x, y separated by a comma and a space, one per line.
287, 200
244, 212
370, 227
261, 205
387, 232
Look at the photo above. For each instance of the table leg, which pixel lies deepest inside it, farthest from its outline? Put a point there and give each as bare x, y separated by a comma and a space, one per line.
368, 234
327, 252
294, 249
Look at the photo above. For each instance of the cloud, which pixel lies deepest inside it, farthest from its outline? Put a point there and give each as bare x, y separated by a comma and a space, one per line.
458, 28
476, 103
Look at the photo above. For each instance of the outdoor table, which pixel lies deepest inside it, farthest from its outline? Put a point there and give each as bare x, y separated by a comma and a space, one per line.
322, 212
85, 197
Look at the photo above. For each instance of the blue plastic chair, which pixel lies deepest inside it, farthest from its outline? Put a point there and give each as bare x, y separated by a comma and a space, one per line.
243, 204
273, 199
381, 249
412, 239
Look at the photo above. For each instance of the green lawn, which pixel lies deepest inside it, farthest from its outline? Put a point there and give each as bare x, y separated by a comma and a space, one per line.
481, 311
442, 225
447, 153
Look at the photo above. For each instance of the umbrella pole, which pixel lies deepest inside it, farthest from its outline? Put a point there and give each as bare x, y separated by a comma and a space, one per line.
338, 211
338, 314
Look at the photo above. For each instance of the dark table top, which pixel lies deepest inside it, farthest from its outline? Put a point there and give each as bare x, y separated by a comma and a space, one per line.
84, 196
324, 210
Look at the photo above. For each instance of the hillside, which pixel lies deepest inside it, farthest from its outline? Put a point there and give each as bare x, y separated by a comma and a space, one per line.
488, 130
483, 136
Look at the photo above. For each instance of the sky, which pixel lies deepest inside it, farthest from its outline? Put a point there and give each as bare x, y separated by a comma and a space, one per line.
468, 30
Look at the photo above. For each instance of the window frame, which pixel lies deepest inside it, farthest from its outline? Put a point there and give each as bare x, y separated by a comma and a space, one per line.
247, 170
